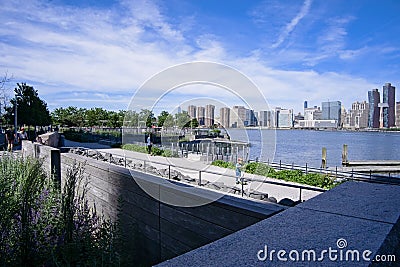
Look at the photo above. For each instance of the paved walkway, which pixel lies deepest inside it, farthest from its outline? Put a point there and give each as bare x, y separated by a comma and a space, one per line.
210, 173
69, 143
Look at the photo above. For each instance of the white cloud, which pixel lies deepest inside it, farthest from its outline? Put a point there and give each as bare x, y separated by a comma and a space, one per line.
292, 24
107, 54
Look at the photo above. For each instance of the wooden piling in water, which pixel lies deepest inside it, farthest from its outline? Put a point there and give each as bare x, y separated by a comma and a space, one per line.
345, 160
323, 163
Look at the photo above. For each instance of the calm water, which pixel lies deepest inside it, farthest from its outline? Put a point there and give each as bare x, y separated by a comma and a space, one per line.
305, 146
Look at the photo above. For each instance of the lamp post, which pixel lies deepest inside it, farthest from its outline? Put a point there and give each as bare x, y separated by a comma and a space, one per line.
15, 115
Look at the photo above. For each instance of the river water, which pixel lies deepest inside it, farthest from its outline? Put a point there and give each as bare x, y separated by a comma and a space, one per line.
305, 146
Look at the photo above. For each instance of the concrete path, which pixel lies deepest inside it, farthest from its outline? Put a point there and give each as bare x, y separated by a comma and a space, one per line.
210, 173
69, 143
216, 174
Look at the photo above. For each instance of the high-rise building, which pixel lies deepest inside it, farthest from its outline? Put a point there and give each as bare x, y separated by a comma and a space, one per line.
224, 114
251, 119
332, 111
200, 115
238, 117
398, 114
284, 118
373, 115
192, 111
305, 104
314, 113
209, 119
359, 115
389, 111
266, 119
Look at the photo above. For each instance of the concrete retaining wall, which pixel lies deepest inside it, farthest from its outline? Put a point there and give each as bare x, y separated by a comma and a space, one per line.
158, 231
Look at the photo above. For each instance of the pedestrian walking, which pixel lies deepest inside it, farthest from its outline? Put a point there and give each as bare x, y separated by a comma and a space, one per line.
149, 144
10, 136
238, 170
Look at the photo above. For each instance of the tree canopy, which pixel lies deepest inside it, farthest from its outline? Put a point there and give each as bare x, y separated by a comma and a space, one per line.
31, 110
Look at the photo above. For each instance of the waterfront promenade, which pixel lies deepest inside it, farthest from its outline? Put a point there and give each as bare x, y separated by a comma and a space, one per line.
220, 177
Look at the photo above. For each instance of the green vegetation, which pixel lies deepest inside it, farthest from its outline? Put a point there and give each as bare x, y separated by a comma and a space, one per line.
32, 110
297, 176
41, 226
143, 149
223, 164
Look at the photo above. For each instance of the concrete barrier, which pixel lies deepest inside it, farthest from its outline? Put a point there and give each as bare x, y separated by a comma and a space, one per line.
158, 231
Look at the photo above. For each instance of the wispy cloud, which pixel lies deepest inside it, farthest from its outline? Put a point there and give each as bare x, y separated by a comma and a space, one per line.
106, 54
292, 24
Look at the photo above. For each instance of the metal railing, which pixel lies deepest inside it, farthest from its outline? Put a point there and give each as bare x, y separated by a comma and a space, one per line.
123, 162
335, 172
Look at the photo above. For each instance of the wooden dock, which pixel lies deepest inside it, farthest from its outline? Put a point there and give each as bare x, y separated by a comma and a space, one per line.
374, 166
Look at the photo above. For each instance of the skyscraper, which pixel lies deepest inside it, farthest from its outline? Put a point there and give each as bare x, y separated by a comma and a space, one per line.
224, 114
284, 118
373, 116
192, 111
398, 114
389, 111
265, 118
332, 111
238, 116
359, 115
201, 115
209, 119
305, 104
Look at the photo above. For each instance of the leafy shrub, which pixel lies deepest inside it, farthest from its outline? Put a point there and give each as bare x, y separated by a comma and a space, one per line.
223, 164
260, 169
154, 150
136, 148
297, 176
41, 226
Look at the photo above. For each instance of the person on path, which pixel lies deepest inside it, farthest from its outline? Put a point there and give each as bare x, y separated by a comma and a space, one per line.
239, 170
10, 136
149, 144
22, 135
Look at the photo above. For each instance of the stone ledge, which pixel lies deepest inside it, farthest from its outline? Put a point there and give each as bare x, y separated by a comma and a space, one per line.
366, 215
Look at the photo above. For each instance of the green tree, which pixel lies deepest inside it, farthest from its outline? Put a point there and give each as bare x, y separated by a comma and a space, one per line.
70, 116
131, 118
182, 119
193, 123
162, 117
96, 117
147, 117
115, 119
169, 121
31, 110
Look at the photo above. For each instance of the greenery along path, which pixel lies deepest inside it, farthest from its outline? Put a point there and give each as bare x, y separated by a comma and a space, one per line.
314, 179
43, 226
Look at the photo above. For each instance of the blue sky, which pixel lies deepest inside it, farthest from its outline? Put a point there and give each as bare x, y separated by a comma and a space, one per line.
98, 53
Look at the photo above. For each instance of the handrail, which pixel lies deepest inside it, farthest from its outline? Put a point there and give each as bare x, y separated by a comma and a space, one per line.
300, 187
356, 176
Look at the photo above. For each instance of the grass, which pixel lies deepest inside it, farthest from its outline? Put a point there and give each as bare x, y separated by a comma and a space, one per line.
155, 150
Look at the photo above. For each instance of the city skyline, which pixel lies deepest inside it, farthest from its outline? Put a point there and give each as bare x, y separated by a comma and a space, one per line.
98, 53
330, 114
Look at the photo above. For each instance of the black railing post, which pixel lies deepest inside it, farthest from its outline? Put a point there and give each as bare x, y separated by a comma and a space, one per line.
300, 195
280, 164
199, 178
242, 182
336, 173
306, 168
169, 172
